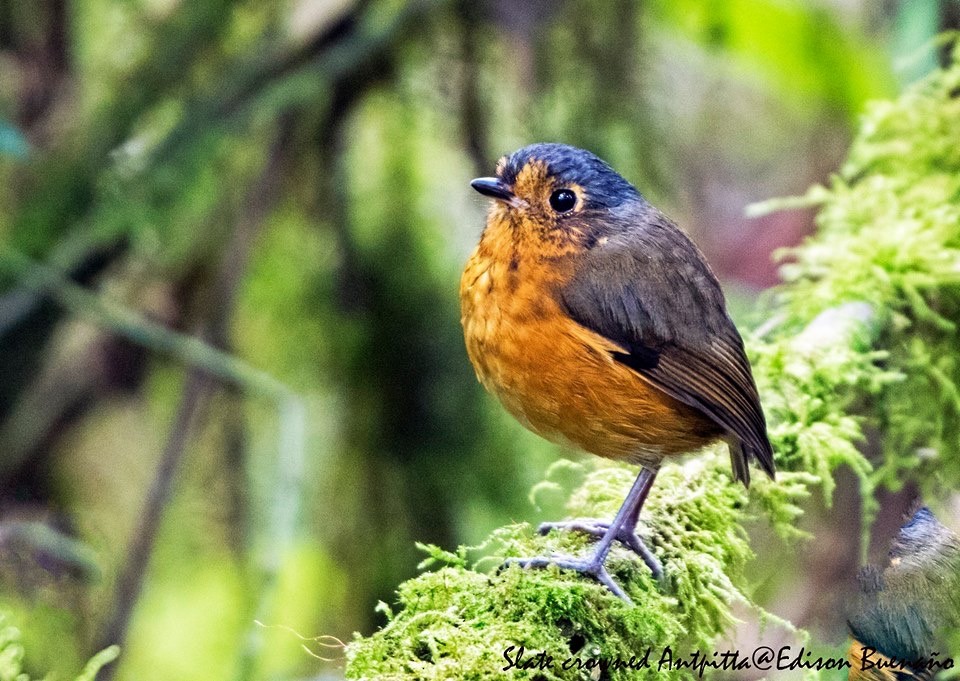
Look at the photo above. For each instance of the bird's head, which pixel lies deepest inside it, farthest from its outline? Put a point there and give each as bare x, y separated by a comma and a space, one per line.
558, 193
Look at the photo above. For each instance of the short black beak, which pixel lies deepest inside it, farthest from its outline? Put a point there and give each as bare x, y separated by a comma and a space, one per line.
494, 188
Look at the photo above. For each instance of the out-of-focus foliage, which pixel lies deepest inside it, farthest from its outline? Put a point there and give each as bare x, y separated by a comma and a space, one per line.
11, 656
801, 49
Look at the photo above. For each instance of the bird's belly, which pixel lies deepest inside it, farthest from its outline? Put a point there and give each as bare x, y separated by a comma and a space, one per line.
560, 379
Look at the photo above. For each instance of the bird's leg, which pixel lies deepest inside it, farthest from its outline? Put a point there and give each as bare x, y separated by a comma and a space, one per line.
626, 534
622, 528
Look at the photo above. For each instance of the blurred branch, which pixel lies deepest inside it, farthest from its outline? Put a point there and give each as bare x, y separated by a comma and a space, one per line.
196, 392
62, 184
342, 57
27, 317
261, 199
37, 33
109, 314
58, 189
473, 120
301, 77
57, 551
206, 361
346, 87
342, 61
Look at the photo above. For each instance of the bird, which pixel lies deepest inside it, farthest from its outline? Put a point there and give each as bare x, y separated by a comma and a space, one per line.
598, 324
900, 613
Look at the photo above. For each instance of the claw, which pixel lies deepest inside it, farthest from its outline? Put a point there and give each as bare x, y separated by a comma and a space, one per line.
622, 529
593, 567
598, 528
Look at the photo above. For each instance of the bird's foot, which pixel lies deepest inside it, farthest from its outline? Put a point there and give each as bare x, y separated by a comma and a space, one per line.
592, 567
599, 529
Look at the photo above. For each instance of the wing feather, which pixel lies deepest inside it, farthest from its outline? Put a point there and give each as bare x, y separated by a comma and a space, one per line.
650, 291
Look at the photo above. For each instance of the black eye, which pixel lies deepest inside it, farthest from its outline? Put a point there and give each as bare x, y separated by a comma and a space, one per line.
563, 200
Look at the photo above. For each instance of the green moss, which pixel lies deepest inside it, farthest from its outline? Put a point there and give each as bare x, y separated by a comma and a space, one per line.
12, 653
889, 236
861, 331
457, 622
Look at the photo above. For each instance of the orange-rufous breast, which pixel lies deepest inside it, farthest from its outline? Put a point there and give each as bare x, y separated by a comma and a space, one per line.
555, 376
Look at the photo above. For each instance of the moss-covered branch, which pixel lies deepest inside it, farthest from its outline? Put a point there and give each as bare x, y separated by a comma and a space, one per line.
864, 329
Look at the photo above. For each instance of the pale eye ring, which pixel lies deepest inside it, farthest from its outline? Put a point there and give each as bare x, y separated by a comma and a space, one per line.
563, 200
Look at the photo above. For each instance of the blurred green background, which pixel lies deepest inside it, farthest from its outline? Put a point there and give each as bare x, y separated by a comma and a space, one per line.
288, 182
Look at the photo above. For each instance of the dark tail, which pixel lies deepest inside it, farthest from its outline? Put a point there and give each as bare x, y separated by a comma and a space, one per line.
741, 454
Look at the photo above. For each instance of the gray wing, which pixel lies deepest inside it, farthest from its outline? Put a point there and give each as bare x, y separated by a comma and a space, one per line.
651, 292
